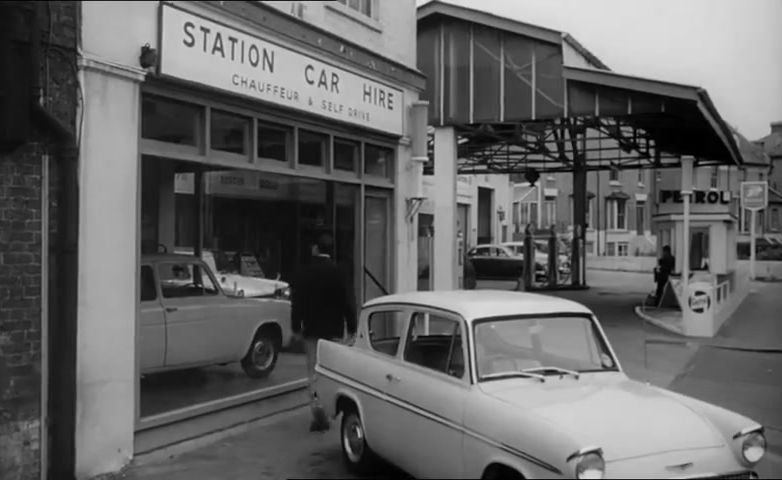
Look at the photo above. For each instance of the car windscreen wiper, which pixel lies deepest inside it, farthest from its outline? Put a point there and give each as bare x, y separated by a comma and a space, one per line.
559, 370
510, 374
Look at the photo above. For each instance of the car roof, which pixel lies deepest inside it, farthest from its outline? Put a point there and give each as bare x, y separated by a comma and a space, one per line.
475, 304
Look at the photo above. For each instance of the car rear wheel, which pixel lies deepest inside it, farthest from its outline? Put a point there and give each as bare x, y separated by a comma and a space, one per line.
261, 358
355, 451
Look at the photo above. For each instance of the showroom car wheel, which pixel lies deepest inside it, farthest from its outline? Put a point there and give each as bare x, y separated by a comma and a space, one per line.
355, 451
262, 356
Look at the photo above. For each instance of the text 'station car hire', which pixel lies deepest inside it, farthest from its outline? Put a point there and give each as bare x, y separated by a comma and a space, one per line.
488, 384
188, 321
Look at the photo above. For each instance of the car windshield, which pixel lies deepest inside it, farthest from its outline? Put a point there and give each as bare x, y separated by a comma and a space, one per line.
539, 345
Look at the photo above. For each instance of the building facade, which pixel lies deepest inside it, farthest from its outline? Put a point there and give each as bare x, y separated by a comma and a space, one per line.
232, 127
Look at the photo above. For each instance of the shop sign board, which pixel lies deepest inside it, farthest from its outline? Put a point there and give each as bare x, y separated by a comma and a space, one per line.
754, 195
200, 50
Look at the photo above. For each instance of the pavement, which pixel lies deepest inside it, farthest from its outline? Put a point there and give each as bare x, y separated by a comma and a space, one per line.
746, 382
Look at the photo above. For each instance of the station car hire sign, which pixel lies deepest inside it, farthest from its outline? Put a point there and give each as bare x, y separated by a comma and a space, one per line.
199, 50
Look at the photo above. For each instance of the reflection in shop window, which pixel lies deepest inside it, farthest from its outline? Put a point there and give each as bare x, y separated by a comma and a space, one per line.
171, 121
229, 133
377, 160
346, 155
273, 142
312, 148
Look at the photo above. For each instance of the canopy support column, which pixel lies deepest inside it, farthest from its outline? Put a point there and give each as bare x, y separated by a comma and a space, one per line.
579, 220
445, 166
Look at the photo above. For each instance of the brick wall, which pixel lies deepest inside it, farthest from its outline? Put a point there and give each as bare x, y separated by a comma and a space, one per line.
21, 234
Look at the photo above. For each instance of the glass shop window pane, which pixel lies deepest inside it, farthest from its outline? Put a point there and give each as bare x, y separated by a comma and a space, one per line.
346, 155
273, 142
229, 132
171, 121
378, 160
457, 73
312, 148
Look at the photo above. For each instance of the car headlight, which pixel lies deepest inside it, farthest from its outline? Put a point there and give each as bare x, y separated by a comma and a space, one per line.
753, 447
284, 293
589, 463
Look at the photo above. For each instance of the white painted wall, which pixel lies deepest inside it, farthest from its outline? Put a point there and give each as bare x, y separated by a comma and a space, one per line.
108, 227
391, 32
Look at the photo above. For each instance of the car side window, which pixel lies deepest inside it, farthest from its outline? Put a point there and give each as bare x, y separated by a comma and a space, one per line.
385, 330
435, 342
180, 280
147, 290
500, 252
483, 251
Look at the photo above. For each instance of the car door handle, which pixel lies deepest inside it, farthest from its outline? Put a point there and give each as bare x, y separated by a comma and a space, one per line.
171, 309
392, 378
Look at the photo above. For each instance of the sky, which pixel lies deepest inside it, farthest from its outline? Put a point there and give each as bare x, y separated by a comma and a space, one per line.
732, 48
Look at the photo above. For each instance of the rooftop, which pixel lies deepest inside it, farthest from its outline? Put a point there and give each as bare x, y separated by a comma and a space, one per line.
476, 304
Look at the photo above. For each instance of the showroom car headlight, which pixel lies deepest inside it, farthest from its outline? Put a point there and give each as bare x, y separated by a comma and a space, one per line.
284, 293
589, 464
753, 447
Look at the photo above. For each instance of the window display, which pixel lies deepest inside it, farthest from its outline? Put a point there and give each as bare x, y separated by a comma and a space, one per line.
252, 230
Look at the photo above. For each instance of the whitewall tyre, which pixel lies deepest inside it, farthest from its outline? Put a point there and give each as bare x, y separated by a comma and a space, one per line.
355, 452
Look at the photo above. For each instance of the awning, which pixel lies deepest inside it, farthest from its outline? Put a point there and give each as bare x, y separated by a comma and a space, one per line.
504, 86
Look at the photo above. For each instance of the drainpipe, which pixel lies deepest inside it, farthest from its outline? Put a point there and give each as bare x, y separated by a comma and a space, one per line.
61, 308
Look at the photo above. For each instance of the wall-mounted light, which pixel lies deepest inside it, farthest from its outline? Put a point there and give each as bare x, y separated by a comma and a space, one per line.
148, 57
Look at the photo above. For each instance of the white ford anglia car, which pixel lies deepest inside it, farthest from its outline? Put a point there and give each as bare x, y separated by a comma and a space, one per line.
488, 384
187, 320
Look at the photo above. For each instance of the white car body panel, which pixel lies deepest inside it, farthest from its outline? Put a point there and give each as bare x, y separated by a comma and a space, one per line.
436, 426
185, 332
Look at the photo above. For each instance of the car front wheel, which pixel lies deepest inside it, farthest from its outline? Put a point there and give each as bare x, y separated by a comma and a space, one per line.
355, 451
262, 356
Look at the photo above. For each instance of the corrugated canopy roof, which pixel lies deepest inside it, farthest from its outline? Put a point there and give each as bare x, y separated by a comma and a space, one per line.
503, 85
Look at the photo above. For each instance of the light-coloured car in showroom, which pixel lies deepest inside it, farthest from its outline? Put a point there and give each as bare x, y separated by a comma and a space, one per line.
188, 321
490, 384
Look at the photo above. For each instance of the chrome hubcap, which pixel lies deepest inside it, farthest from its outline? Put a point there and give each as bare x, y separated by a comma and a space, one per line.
353, 439
262, 355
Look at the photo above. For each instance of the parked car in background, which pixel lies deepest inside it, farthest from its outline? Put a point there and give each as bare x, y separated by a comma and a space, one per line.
541, 255
241, 274
508, 385
188, 320
495, 262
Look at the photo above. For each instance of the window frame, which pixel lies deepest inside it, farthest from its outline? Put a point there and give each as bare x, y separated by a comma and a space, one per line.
405, 321
467, 377
192, 265
612, 214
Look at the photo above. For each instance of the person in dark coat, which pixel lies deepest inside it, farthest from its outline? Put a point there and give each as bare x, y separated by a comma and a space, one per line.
665, 267
322, 307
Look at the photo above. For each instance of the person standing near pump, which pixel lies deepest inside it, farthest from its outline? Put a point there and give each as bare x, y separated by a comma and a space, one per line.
322, 307
663, 271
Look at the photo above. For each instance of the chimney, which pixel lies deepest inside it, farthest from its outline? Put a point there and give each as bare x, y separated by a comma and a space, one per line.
776, 127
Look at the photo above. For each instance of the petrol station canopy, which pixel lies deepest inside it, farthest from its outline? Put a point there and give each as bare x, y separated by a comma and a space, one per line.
519, 101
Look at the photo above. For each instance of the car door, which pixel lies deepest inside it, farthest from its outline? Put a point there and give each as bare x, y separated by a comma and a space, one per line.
152, 323
386, 327
429, 387
198, 331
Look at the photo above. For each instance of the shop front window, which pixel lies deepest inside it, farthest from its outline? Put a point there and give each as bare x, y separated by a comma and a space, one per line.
313, 148
378, 161
346, 155
229, 132
171, 121
257, 231
273, 142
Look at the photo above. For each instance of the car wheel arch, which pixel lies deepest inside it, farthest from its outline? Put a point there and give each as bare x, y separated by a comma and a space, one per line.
497, 470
